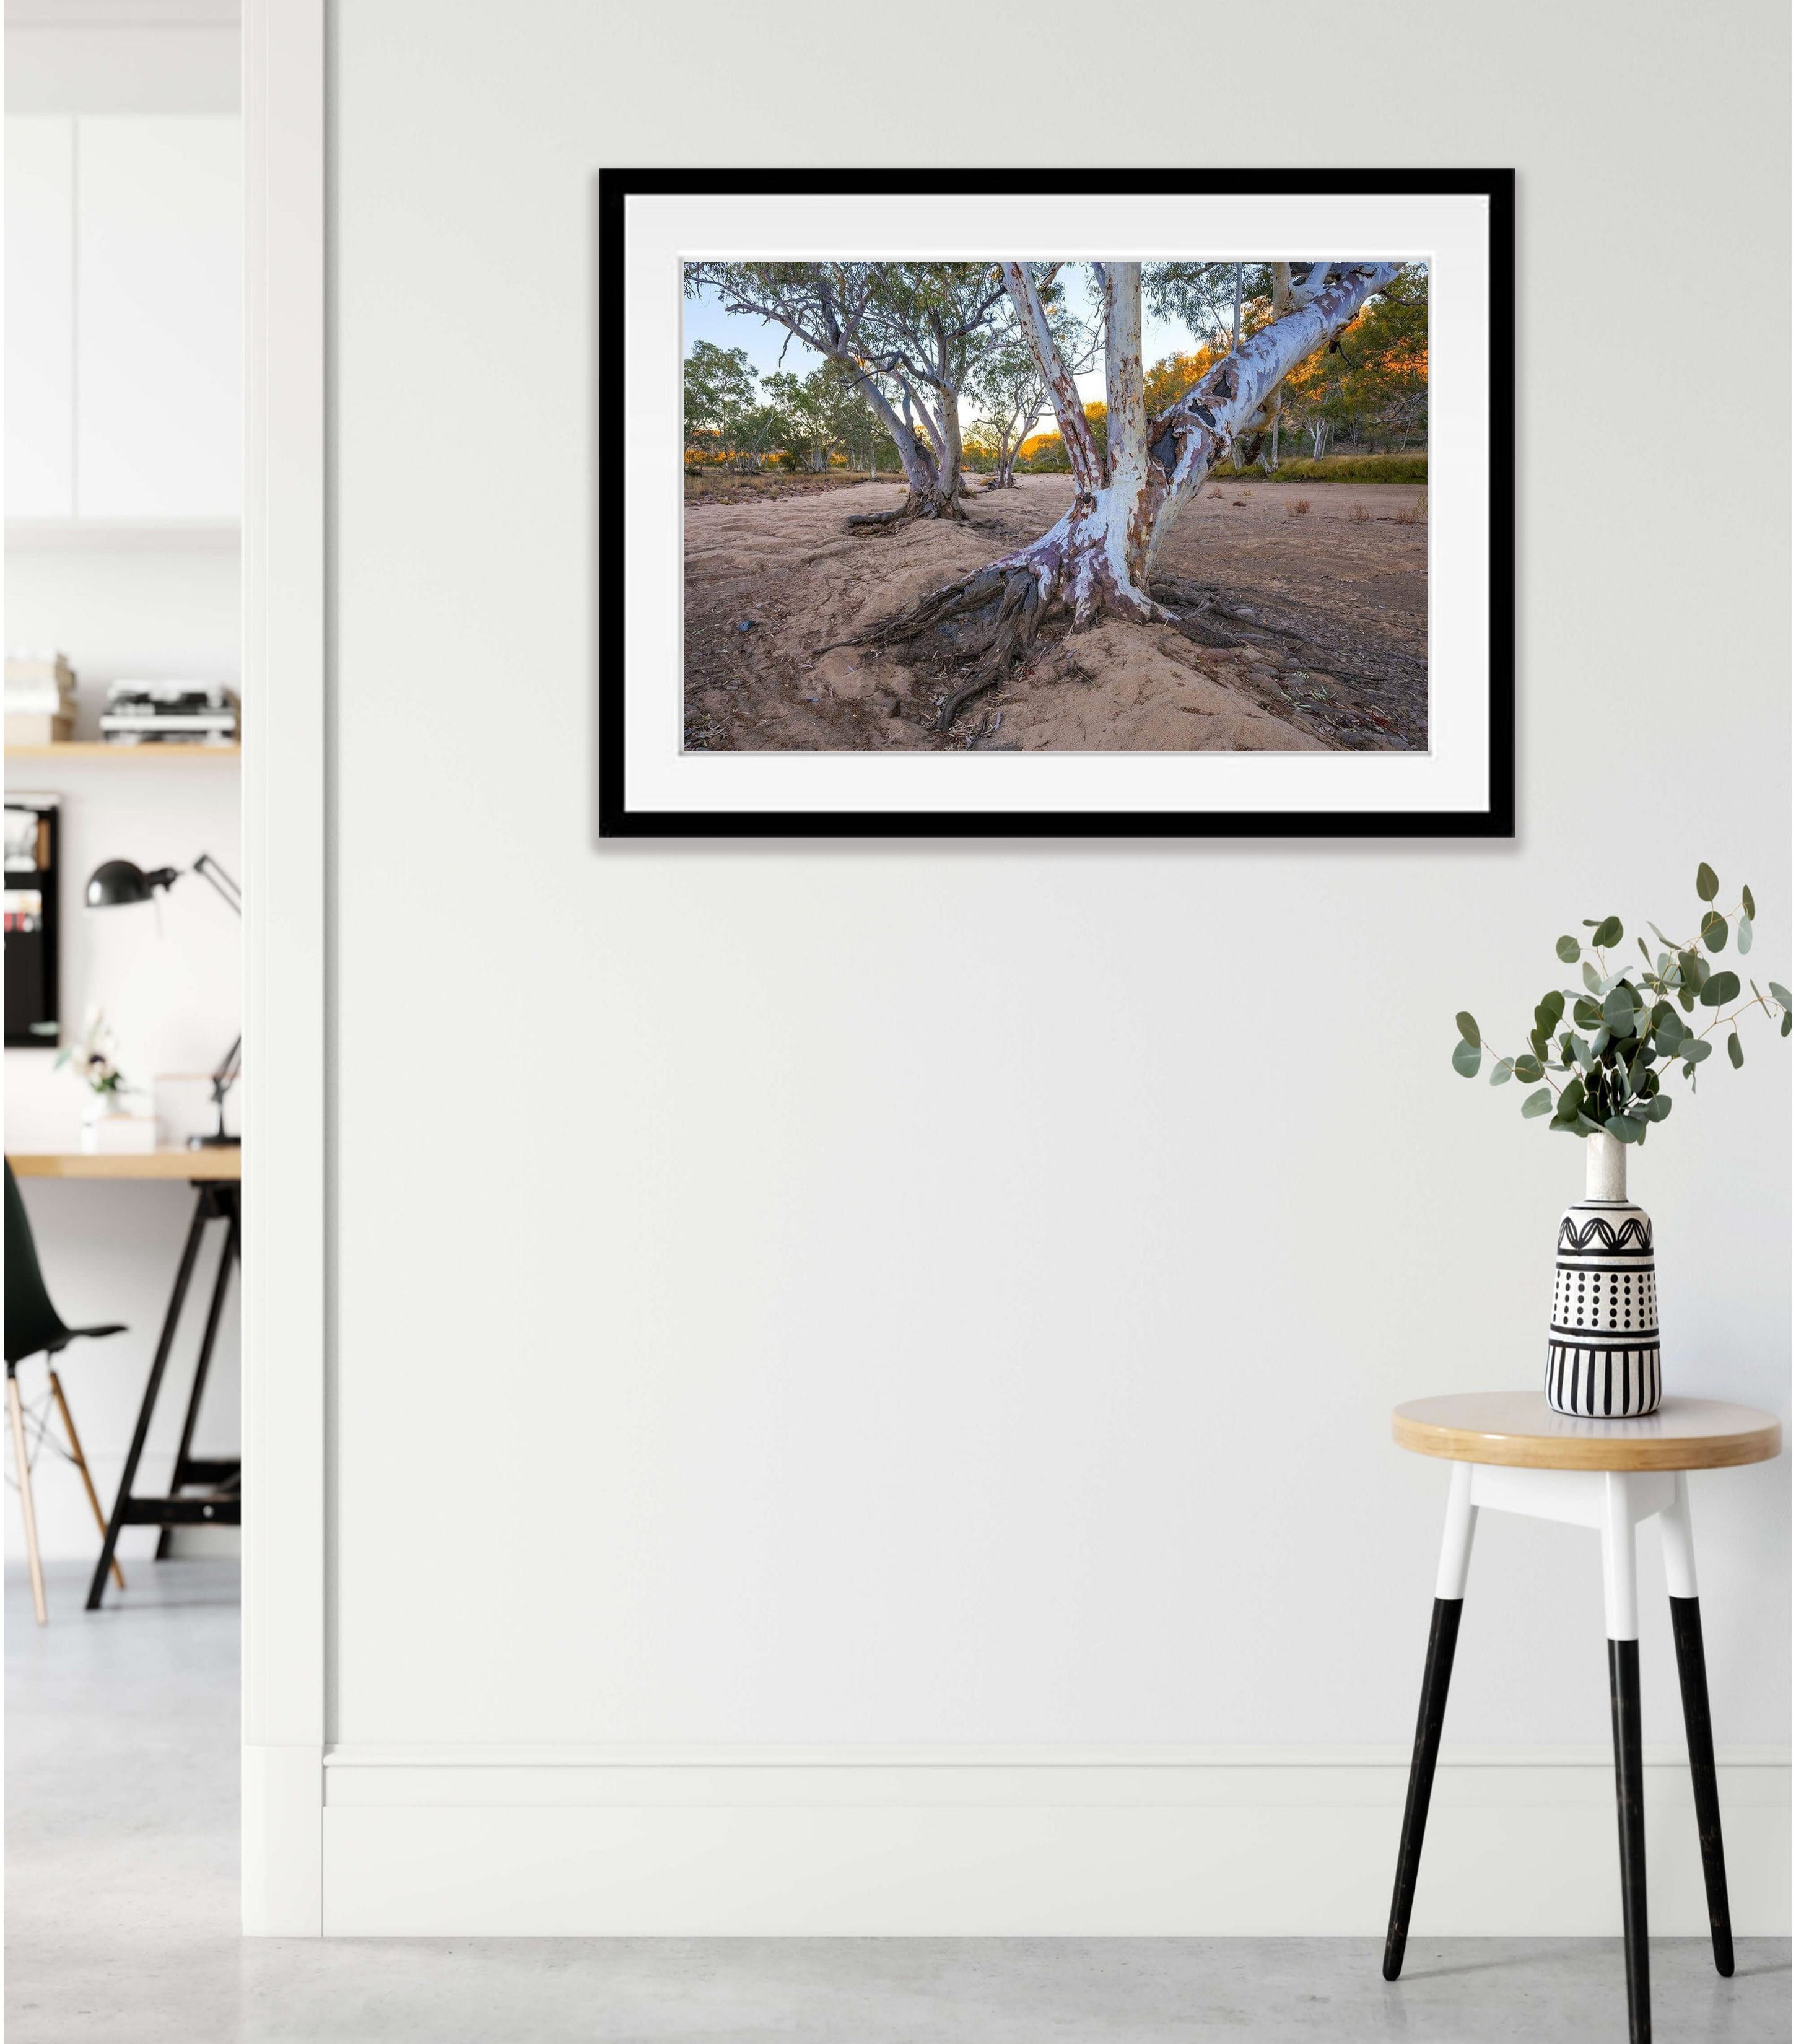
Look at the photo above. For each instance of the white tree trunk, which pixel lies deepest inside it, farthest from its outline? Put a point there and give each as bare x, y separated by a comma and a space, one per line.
1099, 557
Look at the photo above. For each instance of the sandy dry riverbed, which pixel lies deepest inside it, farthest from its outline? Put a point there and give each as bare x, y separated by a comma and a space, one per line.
1298, 631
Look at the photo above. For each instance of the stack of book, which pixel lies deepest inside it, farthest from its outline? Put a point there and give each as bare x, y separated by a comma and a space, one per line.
39, 699
169, 713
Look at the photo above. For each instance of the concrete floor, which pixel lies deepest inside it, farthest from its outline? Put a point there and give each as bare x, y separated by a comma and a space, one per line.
122, 1902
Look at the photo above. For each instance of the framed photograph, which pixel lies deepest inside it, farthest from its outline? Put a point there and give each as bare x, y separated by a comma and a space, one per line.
1056, 504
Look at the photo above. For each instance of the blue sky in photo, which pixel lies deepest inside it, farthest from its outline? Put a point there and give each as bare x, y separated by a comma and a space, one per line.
706, 320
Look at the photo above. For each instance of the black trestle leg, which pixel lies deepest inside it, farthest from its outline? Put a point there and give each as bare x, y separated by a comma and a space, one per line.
1443, 1636
184, 1453
1624, 1710
1693, 1679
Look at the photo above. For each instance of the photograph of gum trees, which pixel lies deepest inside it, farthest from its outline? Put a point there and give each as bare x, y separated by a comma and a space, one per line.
1027, 506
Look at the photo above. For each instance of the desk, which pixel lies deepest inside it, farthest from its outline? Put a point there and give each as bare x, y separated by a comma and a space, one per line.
215, 1175
195, 1167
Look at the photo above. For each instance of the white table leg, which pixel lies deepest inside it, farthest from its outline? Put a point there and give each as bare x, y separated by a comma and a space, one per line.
1621, 1594
1455, 1536
1680, 1549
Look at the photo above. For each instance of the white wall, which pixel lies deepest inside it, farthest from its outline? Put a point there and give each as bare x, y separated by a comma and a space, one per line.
950, 1295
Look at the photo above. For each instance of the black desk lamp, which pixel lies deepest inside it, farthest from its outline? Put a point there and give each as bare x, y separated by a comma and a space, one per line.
118, 884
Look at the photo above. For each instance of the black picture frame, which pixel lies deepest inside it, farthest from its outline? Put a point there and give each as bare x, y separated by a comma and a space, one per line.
1495, 819
33, 971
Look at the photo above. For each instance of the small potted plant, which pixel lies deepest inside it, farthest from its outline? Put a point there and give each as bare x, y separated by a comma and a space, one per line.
1600, 1061
109, 1093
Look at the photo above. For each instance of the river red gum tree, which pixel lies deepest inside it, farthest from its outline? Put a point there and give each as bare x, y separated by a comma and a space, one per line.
1098, 558
906, 337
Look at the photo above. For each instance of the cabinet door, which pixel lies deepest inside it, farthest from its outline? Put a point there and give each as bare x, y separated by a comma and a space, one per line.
158, 235
39, 317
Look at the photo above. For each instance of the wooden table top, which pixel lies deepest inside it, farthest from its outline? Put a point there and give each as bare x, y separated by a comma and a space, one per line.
1519, 1430
186, 1166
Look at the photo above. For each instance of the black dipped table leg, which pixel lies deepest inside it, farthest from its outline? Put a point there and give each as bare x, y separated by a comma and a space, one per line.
1437, 1673
1693, 1679
1630, 1815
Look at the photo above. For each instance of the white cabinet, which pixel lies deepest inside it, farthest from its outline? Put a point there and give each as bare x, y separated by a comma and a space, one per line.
39, 317
124, 321
158, 326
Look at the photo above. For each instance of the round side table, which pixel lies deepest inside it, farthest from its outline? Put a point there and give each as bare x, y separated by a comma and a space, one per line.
1511, 1452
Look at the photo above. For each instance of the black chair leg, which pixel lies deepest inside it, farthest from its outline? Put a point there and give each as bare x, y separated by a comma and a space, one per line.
1437, 1669
1693, 1679
1624, 1709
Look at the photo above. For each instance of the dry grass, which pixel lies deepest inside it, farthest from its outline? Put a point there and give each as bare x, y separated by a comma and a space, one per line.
1361, 515
1415, 513
1300, 509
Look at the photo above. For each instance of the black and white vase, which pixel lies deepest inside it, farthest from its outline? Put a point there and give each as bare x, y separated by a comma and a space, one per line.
1602, 1348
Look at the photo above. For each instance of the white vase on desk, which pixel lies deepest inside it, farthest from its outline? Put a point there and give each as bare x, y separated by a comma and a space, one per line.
1603, 1345
113, 1125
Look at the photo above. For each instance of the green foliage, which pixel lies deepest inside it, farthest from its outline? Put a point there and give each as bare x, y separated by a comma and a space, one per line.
719, 395
1337, 468
1628, 1029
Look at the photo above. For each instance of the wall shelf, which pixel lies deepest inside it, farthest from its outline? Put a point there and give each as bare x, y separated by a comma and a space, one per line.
186, 536
86, 748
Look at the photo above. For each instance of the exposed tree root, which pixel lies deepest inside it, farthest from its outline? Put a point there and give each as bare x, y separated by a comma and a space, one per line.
981, 627
917, 504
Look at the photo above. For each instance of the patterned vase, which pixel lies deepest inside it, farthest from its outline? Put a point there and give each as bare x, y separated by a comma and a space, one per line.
1602, 1348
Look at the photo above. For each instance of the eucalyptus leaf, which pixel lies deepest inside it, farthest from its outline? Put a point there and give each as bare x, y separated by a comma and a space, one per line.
1593, 979
1743, 933
1502, 1071
1660, 934
1530, 1070
1537, 1104
1715, 930
1624, 1128
1785, 1030
1608, 933
1572, 1098
1658, 1107
1468, 1029
1618, 1011
1746, 903
1736, 1057
1721, 986
1569, 951
1695, 1050
1586, 1014
1467, 1059
1707, 886
1667, 1036
1780, 995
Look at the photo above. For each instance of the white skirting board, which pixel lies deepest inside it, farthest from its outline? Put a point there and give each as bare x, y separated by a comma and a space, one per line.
467, 1842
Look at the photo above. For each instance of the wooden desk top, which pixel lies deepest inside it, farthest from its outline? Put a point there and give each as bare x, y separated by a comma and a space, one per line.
1519, 1430
186, 1166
